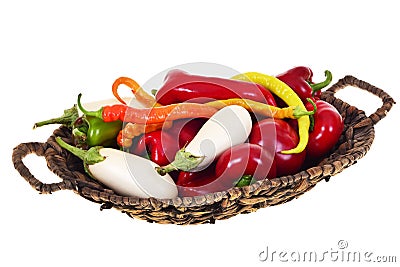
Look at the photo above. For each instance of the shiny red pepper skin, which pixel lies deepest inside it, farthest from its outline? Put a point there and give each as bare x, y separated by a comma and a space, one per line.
241, 160
160, 147
180, 86
185, 130
285, 138
196, 183
245, 159
328, 127
299, 79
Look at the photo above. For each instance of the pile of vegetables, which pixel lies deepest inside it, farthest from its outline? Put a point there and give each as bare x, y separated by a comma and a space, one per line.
199, 134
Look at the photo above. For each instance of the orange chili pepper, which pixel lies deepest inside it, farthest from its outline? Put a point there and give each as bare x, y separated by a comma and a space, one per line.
140, 94
122, 141
132, 130
149, 115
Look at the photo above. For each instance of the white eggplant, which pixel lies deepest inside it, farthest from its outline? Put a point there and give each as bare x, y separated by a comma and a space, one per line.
228, 127
124, 173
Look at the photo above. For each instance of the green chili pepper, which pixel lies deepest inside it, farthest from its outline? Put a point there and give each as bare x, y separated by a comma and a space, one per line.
88, 131
100, 133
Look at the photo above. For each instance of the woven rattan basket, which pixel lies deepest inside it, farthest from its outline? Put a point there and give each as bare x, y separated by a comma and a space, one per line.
354, 143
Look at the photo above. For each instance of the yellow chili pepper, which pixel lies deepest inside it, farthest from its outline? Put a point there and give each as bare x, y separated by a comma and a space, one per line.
292, 112
284, 92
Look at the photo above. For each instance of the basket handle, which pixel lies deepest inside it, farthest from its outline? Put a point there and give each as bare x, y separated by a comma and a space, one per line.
380, 113
39, 149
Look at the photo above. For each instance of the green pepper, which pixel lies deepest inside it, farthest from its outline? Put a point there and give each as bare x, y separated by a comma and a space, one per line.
88, 131
98, 132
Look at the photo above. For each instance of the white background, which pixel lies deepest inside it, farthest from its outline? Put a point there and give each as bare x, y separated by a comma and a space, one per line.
51, 51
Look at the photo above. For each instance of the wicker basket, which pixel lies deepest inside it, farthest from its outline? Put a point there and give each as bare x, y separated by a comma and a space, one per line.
354, 143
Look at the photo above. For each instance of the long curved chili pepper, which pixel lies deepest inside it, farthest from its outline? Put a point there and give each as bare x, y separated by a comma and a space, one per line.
122, 141
140, 94
132, 130
291, 112
284, 92
149, 115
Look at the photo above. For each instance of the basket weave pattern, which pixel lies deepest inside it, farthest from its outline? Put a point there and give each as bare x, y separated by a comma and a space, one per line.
353, 144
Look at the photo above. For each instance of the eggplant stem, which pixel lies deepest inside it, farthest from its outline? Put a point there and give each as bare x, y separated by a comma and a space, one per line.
184, 161
89, 157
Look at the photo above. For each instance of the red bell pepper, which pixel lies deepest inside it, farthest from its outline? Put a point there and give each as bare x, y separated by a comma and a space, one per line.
328, 126
205, 182
186, 129
238, 166
162, 145
245, 159
159, 146
300, 80
180, 86
286, 137
196, 183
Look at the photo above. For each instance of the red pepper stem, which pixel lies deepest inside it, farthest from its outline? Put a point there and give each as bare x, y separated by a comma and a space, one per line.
312, 120
245, 180
299, 112
318, 86
97, 113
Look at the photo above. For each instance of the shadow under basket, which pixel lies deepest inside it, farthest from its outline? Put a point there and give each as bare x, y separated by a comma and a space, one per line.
354, 143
